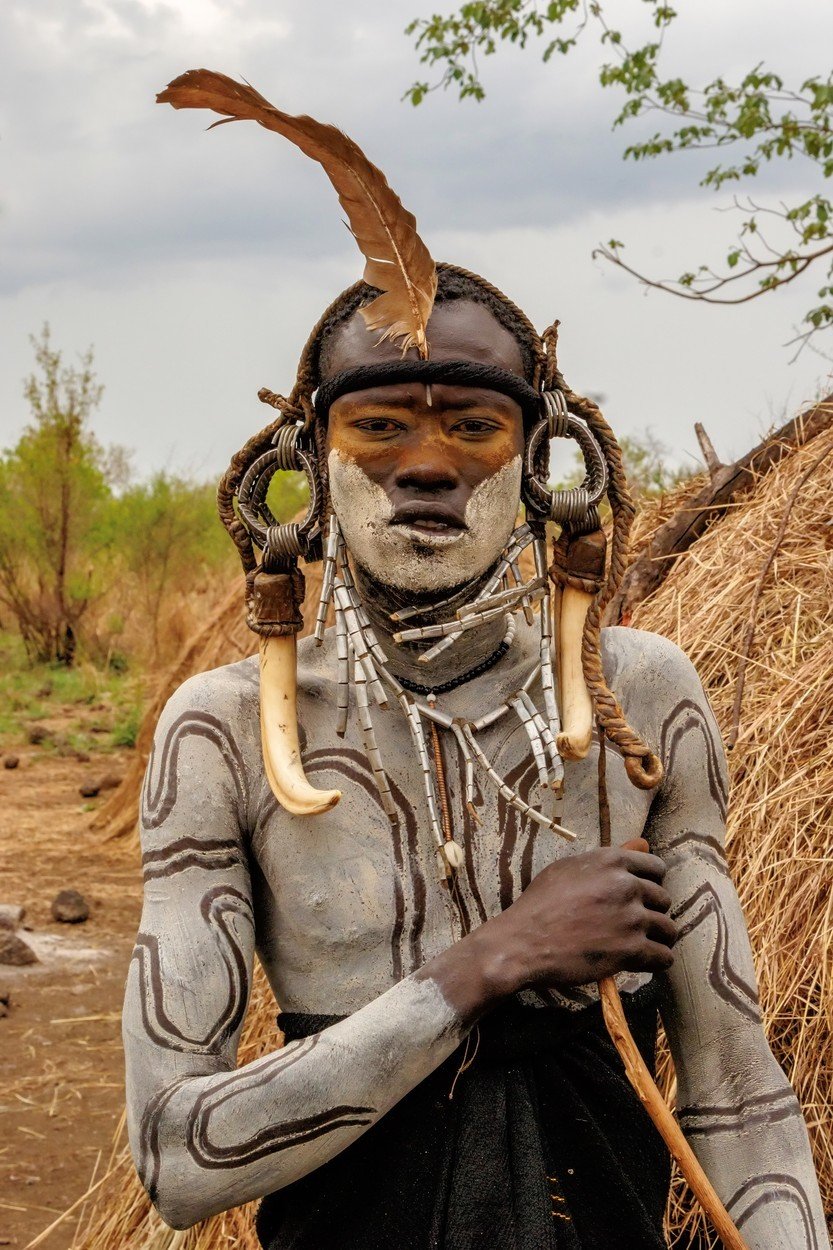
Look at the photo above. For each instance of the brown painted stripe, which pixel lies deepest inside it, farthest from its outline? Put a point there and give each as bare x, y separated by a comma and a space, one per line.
773, 1187
728, 984
674, 730
158, 1025
158, 801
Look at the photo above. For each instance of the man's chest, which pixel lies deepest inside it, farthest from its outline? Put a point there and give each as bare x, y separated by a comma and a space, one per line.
351, 901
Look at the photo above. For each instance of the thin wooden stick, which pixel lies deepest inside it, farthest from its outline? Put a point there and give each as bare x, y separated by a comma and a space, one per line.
665, 1123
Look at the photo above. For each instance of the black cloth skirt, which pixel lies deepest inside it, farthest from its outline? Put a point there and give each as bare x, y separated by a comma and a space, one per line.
543, 1146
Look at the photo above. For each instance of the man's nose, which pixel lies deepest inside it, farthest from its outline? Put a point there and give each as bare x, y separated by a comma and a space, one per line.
427, 466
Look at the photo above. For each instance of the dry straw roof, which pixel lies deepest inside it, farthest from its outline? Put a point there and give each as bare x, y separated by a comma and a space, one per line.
782, 795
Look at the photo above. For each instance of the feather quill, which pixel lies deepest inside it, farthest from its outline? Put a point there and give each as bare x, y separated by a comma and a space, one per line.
397, 260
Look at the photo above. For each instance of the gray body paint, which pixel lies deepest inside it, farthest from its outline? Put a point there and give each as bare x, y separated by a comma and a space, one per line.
343, 908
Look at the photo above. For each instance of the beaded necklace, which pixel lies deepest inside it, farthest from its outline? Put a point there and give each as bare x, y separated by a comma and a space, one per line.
363, 673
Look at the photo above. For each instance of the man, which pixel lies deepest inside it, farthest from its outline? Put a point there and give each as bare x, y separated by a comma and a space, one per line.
447, 1080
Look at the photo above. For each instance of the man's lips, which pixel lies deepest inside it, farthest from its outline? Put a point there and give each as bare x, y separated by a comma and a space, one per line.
431, 518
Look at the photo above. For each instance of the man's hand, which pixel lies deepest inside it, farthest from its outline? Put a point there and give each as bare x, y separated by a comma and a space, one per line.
583, 918
591, 916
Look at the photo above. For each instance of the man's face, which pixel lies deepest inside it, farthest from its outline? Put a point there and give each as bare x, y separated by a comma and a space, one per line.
426, 485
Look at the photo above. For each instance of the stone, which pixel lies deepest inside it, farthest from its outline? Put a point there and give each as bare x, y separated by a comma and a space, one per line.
11, 761
11, 915
70, 907
95, 785
14, 951
38, 734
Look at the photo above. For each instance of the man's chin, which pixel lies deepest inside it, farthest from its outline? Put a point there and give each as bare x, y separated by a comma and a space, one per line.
421, 564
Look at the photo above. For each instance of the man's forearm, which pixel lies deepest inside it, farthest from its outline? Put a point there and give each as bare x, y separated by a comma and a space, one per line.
205, 1143
756, 1152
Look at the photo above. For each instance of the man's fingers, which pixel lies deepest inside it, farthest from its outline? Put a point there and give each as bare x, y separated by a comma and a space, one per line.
652, 957
642, 864
661, 928
654, 897
636, 844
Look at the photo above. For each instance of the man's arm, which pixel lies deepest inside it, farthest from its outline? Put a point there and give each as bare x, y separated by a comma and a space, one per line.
206, 1136
734, 1103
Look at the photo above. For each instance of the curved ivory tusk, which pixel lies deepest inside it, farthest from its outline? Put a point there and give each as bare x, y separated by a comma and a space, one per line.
279, 731
576, 708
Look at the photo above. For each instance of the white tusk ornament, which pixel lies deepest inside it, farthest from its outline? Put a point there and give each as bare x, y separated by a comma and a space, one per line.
279, 731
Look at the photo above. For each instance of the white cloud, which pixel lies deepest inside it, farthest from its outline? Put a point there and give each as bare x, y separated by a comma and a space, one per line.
197, 262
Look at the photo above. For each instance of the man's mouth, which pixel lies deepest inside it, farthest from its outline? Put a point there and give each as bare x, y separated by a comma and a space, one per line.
431, 519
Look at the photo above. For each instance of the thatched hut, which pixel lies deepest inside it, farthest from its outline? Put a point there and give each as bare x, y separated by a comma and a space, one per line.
753, 593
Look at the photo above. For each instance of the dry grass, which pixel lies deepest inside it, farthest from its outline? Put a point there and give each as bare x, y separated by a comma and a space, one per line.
782, 765
782, 774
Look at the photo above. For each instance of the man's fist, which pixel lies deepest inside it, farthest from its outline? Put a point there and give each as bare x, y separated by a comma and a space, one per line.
584, 918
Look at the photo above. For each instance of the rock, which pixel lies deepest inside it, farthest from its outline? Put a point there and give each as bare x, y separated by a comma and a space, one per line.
70, 907
39, 734
5, 1003
11, 915
95, 785
11, 761
14, 951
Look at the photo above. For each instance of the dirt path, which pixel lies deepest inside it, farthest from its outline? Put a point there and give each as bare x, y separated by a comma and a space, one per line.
61, 1093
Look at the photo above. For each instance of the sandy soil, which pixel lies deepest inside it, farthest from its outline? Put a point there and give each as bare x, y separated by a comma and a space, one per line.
61, 1091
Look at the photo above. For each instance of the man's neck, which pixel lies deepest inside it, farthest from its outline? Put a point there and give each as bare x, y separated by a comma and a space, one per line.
465, 654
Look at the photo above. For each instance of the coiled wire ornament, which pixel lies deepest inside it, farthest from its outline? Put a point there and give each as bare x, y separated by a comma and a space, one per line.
281, 543
571, 506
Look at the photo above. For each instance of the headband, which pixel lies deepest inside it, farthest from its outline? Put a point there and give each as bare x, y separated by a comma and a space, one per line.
452, 372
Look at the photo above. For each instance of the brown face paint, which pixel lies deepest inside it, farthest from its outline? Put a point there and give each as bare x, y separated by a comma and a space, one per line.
419, 453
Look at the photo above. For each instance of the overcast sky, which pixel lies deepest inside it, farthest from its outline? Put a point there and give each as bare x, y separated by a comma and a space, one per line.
196, 263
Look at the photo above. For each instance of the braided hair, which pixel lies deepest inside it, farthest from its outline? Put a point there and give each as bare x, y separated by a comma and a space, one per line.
540, 364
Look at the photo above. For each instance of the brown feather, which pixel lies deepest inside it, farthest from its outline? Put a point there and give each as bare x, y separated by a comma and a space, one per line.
397, 260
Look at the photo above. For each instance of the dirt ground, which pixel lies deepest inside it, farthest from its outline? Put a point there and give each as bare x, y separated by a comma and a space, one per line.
61, 1077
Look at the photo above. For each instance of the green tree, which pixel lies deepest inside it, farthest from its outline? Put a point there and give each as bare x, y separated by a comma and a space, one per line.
54, 496
650, 468
758, 120
167, 537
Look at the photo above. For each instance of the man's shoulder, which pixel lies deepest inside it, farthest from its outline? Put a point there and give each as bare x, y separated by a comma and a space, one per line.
229, 693
650, 675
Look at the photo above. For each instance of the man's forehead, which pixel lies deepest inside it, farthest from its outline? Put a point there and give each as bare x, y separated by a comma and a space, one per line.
459, 329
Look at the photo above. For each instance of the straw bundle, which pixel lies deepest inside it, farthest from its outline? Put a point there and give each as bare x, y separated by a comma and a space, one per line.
782, 764
782, 774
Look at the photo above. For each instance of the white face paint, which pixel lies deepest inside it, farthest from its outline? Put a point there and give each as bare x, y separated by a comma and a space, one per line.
410, 559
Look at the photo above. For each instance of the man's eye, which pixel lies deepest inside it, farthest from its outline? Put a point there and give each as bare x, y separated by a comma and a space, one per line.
379, 425
475, 425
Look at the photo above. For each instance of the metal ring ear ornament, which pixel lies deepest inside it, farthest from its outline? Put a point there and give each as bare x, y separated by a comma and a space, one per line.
566, 507
281, 543
276, 592
576, 510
